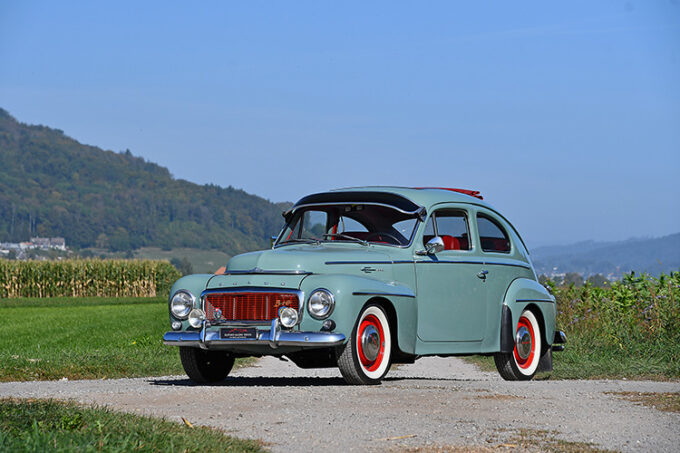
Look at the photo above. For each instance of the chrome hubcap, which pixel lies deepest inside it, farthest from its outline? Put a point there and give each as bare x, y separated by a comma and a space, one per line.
523, 342
370, 342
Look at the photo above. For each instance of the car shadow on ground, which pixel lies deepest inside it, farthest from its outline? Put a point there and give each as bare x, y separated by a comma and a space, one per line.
286, 381
256, 382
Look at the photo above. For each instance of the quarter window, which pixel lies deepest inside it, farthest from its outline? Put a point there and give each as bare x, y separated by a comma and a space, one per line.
451, 226
492, 236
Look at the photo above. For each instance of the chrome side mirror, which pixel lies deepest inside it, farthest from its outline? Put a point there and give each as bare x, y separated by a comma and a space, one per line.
271, 241
434, 245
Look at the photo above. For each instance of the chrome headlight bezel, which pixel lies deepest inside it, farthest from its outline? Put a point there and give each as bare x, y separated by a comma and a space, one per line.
288, 317
324, 303
196, 318
181, 304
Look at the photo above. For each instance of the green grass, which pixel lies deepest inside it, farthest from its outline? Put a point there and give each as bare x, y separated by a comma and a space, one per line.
85, 338
48, 425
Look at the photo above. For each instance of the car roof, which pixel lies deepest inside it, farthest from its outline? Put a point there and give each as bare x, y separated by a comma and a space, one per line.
426, 196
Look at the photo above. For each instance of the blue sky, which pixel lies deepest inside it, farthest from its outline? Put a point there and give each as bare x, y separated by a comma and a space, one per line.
566, 115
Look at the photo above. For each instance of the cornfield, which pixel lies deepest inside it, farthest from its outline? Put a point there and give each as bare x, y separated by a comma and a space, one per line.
86, 278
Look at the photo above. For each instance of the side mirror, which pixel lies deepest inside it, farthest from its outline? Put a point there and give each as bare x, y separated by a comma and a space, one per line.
434, 245
271, 241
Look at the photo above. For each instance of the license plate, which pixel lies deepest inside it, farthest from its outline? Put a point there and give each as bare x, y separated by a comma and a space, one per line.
240, 333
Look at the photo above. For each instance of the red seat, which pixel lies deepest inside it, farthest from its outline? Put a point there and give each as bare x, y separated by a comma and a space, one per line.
450, 242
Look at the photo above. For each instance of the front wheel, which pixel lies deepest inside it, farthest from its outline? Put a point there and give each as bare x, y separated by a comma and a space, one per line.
521, 364
365, 358
205, 367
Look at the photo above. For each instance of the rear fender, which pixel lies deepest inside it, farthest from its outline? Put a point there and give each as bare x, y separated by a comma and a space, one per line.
525, 293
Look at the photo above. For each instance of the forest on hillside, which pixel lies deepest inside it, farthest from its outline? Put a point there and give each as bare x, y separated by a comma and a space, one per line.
51, 185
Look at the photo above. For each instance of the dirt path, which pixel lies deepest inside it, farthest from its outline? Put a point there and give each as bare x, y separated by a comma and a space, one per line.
433, 403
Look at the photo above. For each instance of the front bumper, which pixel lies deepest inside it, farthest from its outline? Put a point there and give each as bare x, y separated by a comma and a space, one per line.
274, 337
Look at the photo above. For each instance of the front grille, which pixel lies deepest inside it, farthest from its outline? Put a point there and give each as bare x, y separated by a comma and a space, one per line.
247, 306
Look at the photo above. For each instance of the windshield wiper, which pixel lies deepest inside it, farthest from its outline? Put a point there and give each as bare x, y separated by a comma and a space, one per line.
346, 236
303, 240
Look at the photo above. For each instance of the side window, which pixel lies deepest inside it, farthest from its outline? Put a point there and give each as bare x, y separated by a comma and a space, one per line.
451, 226
492, 235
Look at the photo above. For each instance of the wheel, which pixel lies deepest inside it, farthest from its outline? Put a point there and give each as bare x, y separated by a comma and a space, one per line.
521, 364
205, 367
365, 358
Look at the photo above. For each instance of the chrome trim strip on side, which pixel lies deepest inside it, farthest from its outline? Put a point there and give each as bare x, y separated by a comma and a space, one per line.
536, 300
211, 339
365, 293
265, 272
490, 263
526, 266
358, 262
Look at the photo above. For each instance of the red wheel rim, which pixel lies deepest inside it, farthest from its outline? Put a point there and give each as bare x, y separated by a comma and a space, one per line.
526, 363
371, 321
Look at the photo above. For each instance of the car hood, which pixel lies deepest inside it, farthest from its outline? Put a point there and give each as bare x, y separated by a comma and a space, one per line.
307, 258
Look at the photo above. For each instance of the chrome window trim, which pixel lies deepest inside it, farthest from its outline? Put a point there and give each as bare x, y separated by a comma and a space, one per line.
420, 214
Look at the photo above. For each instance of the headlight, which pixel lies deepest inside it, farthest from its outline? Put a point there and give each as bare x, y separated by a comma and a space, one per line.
196, 317
181, 304
321, 303
288, 317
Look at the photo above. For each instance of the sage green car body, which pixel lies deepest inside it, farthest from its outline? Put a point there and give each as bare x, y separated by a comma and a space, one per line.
437, 303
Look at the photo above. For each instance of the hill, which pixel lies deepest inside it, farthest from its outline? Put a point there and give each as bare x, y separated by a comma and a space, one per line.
653, 256
52, 185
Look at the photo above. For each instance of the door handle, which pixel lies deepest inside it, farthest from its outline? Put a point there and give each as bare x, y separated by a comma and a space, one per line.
482, 274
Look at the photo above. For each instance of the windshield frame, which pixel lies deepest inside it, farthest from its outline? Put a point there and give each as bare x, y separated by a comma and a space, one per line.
417, 216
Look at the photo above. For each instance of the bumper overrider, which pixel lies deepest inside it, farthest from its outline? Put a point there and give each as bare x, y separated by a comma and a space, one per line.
274, 337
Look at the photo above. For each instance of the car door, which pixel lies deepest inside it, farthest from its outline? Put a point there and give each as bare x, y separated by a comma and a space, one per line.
451, 296
503, 259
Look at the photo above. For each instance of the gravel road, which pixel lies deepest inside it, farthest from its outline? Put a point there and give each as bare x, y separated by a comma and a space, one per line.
434, 403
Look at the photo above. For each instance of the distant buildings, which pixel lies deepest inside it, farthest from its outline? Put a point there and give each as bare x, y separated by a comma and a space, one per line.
20, 249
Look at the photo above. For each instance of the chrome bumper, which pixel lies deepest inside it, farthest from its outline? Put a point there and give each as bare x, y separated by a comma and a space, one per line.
274, 337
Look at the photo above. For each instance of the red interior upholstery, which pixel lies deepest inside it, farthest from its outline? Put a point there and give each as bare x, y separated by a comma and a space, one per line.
450, 242
495, 244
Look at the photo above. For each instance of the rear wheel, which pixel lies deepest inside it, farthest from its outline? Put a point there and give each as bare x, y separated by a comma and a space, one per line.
521, 364
365, 358
205, 367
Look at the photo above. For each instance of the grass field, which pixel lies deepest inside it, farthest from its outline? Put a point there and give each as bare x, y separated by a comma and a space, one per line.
47, 425
84, 338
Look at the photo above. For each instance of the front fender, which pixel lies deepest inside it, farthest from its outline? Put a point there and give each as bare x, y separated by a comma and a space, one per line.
351, 294
523, 293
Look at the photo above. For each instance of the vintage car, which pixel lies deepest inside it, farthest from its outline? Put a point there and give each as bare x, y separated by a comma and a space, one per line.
362, 278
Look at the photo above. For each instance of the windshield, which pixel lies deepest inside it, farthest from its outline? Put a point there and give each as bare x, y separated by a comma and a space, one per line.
361, 223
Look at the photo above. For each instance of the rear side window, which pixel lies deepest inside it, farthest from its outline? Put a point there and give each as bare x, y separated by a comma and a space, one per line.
492, 236
451, 226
